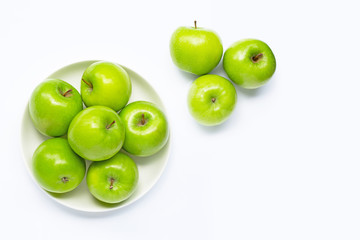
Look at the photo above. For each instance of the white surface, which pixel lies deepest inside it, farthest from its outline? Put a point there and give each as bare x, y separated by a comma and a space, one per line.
150, 168
284, 166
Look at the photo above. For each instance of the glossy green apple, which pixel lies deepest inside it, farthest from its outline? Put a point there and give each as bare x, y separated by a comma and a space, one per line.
211, 99
52, 106
195, 50
96, 133
106, 84
113, 180
249, 63
56, 167
146, 127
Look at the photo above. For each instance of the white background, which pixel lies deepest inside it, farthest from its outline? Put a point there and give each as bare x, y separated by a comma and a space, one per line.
285, 165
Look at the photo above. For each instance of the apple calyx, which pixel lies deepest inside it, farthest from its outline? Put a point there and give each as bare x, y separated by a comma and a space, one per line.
111, 183
257, 57
213, 100
109, 125
64, 179
195, 24
88, 83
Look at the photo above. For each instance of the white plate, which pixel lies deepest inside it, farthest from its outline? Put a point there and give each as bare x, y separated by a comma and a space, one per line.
150, 168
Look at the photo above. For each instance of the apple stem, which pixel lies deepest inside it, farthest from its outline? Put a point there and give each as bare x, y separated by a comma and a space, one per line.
66, 94
195, 24
142, 119
257, 57
64, 179
213, 99
87, 83
111, 183
109, 126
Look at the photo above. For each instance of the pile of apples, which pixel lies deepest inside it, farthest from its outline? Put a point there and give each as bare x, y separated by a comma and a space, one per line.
249, 63
97, 133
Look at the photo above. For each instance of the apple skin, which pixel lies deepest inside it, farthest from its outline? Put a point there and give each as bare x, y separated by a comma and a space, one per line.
96, 133
56, 167
106, 84
250, 63
211, 99
148, 137
52, 106
195, 50
113, 180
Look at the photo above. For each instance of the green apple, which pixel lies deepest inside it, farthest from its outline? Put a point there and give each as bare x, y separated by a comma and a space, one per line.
106, 84
250, 63
52, 106
211, 99
195, 50
56, 167
96, 133
146, 128
113, 180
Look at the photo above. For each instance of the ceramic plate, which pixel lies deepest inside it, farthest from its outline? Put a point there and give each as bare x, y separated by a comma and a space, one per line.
150, 168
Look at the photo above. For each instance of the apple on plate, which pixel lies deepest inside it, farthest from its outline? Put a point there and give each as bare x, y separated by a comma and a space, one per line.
195, 50
106, 84
96, 133
56, 167
146, 128
113, 180
250, 63
211, 99
52, 106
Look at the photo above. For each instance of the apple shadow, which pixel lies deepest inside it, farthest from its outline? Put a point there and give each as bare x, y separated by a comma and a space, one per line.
258, 91
214, 129
250, 92
219, 70
189, 76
